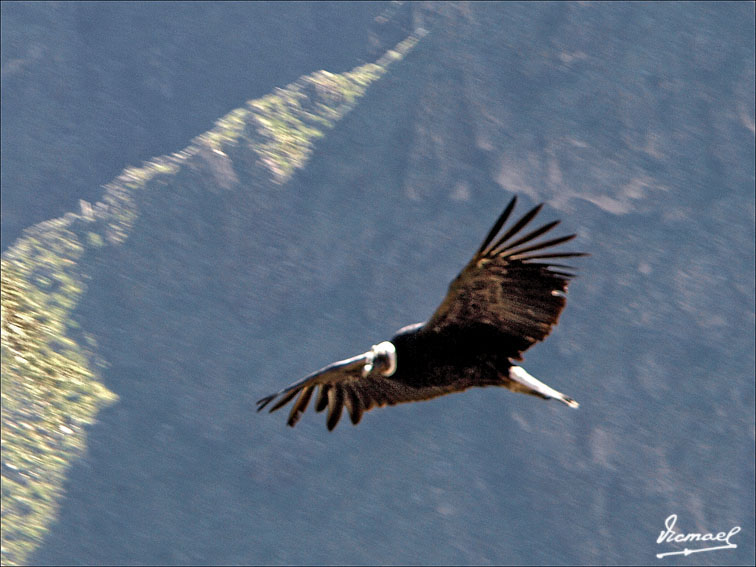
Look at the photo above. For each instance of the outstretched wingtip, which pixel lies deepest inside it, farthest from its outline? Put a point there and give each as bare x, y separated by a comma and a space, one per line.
264, 402
327, 379
497, 225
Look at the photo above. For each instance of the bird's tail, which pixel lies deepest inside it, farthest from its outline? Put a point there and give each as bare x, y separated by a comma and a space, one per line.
523, 382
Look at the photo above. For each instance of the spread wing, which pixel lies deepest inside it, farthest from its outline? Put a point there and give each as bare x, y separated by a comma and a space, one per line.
342, 384
510, 284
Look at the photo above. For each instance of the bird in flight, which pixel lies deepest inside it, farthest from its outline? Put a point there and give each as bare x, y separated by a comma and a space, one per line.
507, 298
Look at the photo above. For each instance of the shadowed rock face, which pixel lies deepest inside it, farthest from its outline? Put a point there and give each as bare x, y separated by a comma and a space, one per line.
635, 120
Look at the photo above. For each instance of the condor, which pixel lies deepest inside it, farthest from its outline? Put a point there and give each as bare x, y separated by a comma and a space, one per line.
508, 297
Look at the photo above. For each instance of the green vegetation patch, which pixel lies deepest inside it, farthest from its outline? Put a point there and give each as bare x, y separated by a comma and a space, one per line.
288, 121
49, 391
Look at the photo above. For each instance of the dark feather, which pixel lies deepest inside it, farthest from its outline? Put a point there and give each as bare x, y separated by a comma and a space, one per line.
353, 405
519, 225
335, 406
556, 255
285, 399
517, 254
322, 402
300, 406
535, 234
497, 226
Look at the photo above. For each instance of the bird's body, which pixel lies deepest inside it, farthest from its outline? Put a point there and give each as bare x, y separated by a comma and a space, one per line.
448, 361
500, 304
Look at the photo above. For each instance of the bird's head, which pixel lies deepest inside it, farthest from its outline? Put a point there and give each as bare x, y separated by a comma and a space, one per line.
381, 357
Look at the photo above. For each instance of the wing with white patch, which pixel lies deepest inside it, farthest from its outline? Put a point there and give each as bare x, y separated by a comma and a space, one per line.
510, 285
